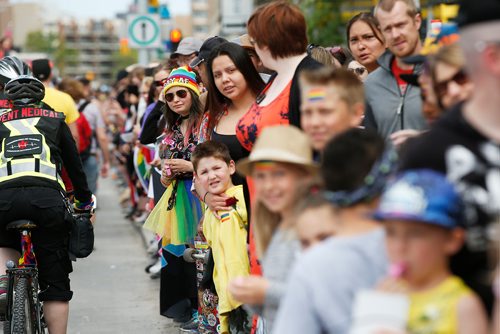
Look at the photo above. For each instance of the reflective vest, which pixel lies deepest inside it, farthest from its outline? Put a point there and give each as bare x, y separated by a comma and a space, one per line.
28, 136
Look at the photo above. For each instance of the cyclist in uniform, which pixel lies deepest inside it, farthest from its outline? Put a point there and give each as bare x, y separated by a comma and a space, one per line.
35, 143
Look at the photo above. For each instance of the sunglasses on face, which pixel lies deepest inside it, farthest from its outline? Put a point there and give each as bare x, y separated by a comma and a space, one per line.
180, 94
159, 83
358, 70
460, 78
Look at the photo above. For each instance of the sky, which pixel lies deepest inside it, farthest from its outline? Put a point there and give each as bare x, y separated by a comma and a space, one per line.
98, 9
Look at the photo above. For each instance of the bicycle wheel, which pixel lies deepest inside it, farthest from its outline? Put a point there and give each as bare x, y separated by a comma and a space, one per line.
23, 311
6, 327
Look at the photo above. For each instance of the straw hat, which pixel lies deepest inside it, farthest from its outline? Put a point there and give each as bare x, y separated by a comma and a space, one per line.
282, 143
244, 41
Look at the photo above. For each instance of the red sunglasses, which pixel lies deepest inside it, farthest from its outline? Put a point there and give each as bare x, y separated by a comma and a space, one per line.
182, 93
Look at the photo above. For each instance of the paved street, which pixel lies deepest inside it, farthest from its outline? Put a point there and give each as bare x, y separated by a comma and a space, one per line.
112, 293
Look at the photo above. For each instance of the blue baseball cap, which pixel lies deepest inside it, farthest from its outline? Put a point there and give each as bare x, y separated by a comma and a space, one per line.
421, 195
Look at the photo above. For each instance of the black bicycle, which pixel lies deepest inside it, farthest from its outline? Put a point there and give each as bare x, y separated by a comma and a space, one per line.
24, 313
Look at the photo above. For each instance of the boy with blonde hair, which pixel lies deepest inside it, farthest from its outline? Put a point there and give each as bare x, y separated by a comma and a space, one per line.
332, 102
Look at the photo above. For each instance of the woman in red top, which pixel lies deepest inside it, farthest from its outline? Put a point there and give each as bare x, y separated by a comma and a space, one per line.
278, 32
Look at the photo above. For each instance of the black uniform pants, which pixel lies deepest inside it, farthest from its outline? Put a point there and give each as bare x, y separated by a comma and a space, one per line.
45, 207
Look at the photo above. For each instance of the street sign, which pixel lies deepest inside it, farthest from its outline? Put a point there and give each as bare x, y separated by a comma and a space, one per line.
144, 31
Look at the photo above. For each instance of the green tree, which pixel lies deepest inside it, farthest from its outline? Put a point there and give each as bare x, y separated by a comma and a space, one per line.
324, 22
323, 17
37, 41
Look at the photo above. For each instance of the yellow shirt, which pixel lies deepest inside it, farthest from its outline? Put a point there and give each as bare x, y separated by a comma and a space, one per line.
228, 239
436, 311
62, 102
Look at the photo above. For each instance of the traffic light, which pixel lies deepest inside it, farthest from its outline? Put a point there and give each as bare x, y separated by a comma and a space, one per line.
90, 75
124, 48
175, 38
153, 6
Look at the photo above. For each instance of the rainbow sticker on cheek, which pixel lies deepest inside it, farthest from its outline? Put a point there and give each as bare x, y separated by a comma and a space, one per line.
316, 94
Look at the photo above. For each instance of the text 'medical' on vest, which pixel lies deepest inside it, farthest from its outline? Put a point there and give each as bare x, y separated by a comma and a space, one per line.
26, 144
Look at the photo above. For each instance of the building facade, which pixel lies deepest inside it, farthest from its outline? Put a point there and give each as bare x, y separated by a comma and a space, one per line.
92, 47
234, 17
205, 18
14, 22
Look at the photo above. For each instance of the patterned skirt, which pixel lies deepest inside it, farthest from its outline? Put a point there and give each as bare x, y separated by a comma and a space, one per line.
176, 215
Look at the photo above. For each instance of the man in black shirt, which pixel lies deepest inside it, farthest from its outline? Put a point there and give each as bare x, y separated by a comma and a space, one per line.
465, 144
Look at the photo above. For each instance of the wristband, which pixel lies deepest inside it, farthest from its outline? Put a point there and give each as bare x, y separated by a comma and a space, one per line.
85, 206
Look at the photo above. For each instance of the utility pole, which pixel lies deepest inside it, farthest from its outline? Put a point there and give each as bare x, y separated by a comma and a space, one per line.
143, 52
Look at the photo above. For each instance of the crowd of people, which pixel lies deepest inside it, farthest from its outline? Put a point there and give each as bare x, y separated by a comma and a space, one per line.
324, 189
342, 170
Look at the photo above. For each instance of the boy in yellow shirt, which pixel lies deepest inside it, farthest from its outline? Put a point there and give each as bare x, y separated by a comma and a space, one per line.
225, 231
421, 212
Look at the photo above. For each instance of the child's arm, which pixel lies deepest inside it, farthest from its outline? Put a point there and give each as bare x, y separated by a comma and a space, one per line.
472, 317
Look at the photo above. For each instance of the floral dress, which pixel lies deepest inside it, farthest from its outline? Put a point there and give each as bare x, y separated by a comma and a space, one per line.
258, 117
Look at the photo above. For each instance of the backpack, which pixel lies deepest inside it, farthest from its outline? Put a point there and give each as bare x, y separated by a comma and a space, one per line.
85, 133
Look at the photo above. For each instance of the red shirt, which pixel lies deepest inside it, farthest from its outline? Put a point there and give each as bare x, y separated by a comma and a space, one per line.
397, 71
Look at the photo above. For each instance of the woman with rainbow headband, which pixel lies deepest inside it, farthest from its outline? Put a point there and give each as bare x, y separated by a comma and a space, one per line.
176, 216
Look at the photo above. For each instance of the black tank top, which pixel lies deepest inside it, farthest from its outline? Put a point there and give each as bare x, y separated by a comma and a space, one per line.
236, 151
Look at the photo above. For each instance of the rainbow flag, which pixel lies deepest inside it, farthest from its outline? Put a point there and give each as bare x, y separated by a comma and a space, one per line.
316, 94
224, 217
143, 156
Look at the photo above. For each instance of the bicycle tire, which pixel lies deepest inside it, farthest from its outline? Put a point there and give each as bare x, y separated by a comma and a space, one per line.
23, 309
6, 327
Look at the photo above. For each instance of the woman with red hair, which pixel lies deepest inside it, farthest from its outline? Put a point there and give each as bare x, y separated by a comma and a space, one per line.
279, 33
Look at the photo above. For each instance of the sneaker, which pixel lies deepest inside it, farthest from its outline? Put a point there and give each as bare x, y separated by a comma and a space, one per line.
152, 263
141, 217
182, 318
180, 312
192, 331
4, 282
130, 212
191, 325
155, 268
